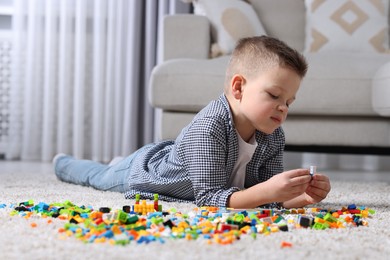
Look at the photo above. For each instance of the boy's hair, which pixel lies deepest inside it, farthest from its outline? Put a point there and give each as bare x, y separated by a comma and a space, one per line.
254, 55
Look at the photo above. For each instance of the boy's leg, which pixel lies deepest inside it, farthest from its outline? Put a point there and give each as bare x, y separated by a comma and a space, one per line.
94, 174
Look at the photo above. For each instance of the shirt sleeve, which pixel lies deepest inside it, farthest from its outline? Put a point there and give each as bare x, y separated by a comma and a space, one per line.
204, 153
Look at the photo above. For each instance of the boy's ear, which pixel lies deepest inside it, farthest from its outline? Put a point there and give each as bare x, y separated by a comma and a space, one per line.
236, 85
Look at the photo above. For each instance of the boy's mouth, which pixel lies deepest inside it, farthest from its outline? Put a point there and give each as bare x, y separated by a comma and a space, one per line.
277, 119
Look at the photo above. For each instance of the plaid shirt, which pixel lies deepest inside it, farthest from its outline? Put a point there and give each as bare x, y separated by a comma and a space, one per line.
196, 167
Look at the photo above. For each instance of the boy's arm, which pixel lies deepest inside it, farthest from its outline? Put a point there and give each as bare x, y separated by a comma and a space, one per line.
297, 202
282, 187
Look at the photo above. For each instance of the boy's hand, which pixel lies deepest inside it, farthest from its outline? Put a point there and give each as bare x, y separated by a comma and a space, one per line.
318, 189
290, 184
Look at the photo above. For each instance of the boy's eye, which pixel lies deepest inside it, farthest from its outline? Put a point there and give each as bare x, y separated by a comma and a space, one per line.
273, 96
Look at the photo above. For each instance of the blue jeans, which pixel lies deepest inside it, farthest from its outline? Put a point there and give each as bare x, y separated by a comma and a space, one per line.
94, 174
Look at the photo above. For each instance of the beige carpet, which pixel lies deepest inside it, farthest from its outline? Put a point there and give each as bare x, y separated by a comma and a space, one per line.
24, 181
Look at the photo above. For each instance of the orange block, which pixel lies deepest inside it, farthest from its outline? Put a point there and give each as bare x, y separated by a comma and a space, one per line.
61, 230
335, 215
285, 244
213, 209
96, 214
333, 225
116, 230
348, 219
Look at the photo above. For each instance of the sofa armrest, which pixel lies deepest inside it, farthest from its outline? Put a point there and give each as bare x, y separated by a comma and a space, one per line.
381, 91
186, 36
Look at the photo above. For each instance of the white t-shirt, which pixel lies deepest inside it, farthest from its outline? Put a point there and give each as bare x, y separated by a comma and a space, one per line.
245, 153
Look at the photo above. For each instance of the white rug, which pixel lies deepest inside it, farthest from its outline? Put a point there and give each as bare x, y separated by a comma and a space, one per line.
20, 182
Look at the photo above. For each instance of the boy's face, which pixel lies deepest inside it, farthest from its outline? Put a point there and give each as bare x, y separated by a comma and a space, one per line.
262, 102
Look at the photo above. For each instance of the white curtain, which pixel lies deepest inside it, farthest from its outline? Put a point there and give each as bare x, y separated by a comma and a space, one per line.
79, 77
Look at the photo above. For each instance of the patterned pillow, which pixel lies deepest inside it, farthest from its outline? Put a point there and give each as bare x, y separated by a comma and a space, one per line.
347, 25
230, 20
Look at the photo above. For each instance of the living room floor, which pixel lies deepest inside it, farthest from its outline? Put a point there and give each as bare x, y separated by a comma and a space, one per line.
377, 176
21, 181
8, 167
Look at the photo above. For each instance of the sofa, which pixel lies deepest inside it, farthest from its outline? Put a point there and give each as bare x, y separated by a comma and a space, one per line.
343, 105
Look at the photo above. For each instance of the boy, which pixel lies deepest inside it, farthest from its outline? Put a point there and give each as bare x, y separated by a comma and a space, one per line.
231, 153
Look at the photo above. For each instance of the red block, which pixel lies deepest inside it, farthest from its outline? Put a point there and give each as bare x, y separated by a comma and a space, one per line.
354, 211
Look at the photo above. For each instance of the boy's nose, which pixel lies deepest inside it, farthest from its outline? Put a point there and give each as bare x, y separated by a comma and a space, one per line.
283, 108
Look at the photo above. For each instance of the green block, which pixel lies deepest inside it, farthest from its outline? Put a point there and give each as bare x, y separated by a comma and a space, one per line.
30, 203
159, 220
278, 219
69, 204
68, 226
138, 228
239, 218
122, 242
330, 218
79, 235
326, 225
64, 211
253, 235
122, 216
101, 227
132, 219
318, 226
87, 222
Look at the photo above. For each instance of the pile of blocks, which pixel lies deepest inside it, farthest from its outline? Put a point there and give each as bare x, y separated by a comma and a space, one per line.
144, 223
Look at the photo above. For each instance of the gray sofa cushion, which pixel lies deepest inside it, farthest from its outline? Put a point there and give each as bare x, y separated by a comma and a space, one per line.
330, 87
339, 84
187, 84
305, 130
